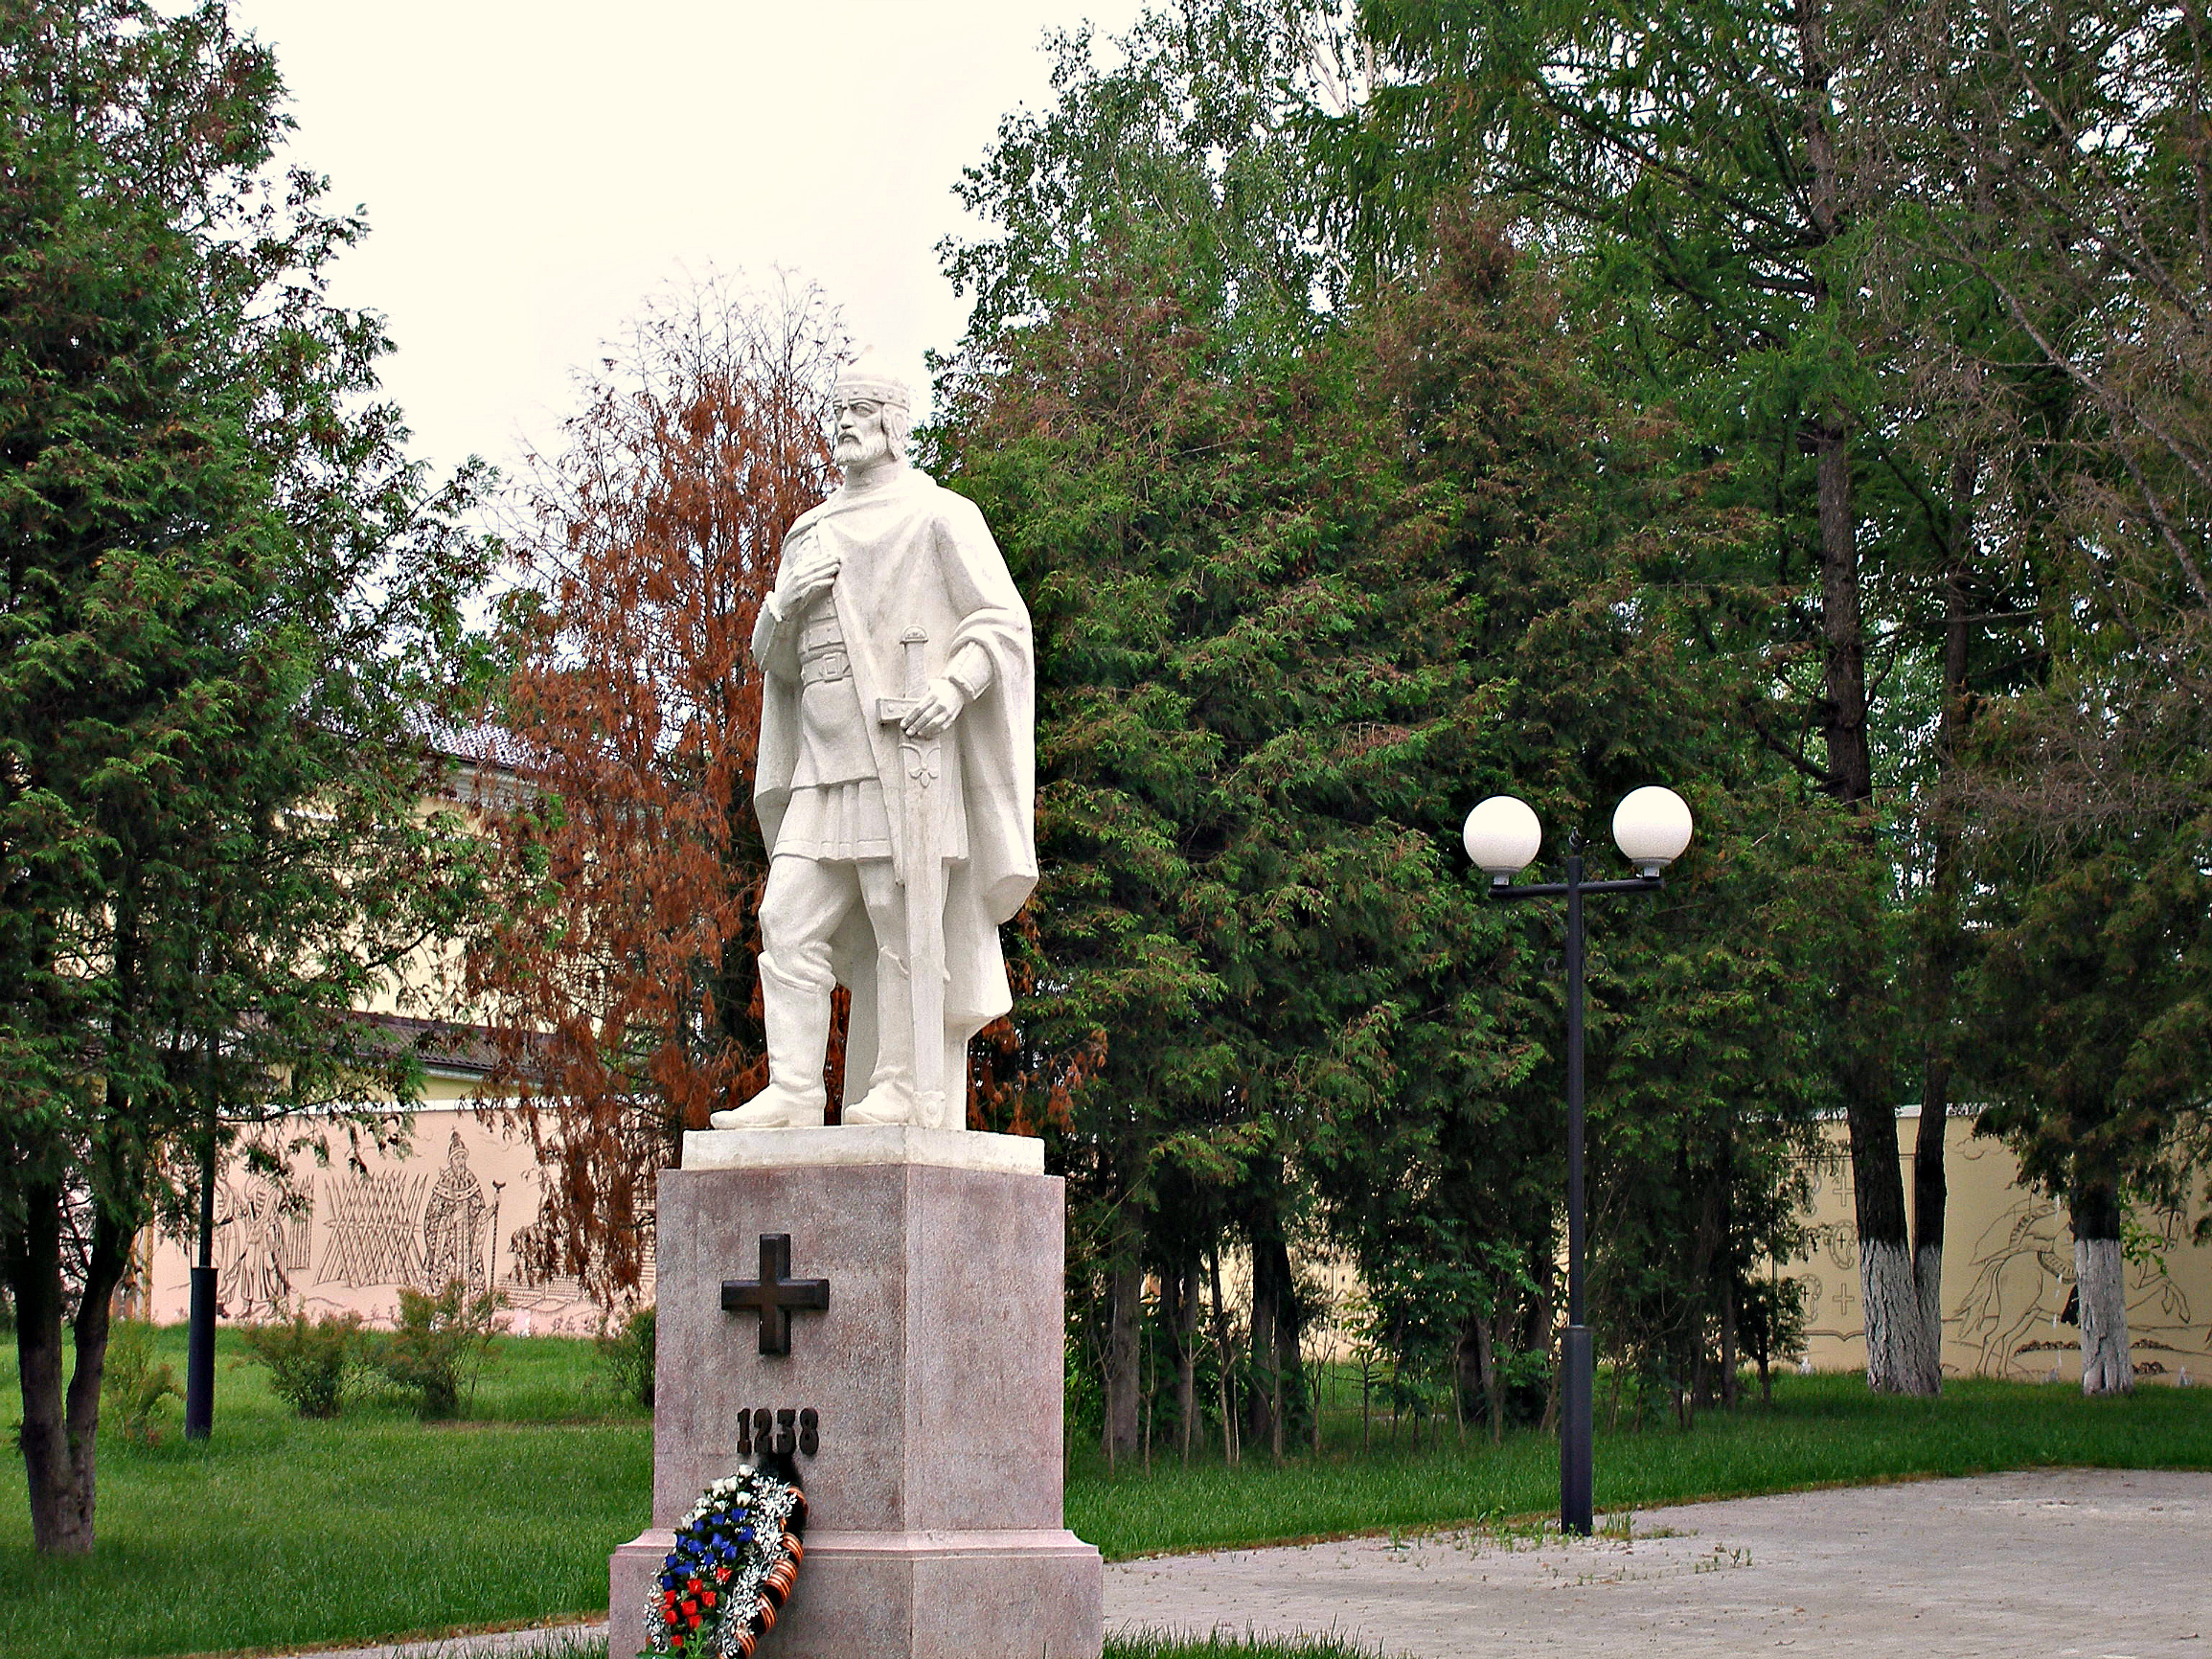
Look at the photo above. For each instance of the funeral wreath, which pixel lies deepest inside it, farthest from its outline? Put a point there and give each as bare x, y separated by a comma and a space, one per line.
731, 1571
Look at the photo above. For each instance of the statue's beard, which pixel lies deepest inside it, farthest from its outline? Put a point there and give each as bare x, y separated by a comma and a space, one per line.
861, 451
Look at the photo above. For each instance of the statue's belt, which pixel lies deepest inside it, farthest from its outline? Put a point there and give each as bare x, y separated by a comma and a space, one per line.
832, 664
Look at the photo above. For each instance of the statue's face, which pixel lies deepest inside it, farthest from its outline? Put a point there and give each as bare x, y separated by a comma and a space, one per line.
861, 440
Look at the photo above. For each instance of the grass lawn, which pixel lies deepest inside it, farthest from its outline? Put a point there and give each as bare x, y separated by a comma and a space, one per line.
280, 1531
1823, 1430
286, 1532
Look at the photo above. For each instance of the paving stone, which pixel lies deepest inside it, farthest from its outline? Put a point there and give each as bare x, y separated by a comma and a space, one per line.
2096, 1563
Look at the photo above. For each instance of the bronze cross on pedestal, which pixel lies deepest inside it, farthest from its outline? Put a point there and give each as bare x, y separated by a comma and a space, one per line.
774, 1294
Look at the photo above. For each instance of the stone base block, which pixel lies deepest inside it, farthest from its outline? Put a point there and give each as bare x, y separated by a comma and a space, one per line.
978, 1595
630, 1572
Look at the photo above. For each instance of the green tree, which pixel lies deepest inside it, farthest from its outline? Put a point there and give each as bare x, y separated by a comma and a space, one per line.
2061, 162
1128, 367
1588, 647
2096, 995
229, 607
1309, 579
1709, 175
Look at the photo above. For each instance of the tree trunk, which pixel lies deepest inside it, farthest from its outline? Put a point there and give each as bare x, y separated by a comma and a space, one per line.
60, 1501
1730, 1357
1894, 1338
1482, 1332
1899, 1355
1261, 1427
1927, 1204
1541, 1335
1186, 1329
2100, 1281
1126, 1294
1226, 1355
1278, 1366
1930, 1184
60, 1427
1469, 1367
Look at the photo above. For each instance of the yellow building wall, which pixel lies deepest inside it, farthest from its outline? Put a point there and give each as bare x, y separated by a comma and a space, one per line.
2008, 1272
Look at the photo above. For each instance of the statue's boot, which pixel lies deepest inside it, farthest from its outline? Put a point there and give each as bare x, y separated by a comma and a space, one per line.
797, 1016
890, 1096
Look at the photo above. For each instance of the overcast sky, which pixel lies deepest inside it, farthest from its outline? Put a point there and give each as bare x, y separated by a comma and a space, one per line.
532, 169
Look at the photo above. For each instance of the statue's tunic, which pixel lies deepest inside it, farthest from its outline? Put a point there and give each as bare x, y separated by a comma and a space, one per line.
827, 782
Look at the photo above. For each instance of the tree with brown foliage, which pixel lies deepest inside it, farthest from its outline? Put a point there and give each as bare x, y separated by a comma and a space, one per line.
618, 967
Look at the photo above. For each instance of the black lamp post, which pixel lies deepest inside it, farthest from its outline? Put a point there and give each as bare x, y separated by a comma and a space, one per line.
199, 1344
1652, 827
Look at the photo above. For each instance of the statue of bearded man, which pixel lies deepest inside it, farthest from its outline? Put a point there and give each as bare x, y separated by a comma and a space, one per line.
896, 785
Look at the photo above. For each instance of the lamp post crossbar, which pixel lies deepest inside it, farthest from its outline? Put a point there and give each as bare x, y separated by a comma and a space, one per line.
1577, 1364
1559, 888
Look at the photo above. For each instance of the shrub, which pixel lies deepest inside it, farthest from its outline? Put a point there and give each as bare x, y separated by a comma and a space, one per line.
628, 1356
133, 1389
441, 1346
310, 1362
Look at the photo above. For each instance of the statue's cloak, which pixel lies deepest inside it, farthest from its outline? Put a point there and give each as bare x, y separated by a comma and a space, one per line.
914, 553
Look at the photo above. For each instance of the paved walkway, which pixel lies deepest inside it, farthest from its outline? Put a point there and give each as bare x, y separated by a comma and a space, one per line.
2068, 1563
2104, 1564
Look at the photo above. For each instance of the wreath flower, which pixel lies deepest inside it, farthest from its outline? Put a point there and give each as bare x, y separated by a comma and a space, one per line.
736, 1557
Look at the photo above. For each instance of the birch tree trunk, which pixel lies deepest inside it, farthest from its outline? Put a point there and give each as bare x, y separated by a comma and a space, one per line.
2100, 1280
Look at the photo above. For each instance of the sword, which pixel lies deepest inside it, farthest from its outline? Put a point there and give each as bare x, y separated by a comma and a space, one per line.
920, 768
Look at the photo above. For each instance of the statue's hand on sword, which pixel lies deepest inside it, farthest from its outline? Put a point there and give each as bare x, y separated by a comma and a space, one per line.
938, 708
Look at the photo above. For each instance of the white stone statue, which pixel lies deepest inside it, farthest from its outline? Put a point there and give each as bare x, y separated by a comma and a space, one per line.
896, 785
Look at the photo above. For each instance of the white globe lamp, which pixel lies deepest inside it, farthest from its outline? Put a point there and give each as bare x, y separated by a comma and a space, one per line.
1502, 836
1651, 827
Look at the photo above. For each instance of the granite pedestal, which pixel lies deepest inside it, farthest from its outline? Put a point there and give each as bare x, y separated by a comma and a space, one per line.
935, 1373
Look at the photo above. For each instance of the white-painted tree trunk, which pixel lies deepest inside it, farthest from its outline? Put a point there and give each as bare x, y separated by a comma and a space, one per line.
1899, 1353
2100, 1276
1927, 1281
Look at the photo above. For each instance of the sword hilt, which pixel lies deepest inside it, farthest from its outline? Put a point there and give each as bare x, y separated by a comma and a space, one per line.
915, 642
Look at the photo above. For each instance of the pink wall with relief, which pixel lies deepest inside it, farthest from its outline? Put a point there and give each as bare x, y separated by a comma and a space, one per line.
460, 1204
